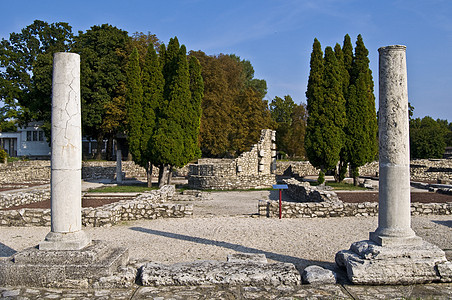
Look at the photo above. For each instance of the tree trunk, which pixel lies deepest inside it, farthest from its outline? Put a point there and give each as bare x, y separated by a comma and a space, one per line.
163, 175
355, 174
170, 174
109, 150
149, 173
100, 144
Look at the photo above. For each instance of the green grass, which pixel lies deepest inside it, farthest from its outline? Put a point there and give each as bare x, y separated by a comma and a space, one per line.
123, 189
342, 186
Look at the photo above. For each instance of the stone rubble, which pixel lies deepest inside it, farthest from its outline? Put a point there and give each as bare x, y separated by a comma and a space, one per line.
236, 271
318, 275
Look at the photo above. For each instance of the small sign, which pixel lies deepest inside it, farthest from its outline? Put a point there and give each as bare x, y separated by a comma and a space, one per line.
280, 186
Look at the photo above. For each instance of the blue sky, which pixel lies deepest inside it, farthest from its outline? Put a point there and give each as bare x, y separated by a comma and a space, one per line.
277, 35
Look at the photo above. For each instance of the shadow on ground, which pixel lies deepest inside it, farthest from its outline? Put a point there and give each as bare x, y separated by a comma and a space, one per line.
447, 223
299, 263
6, 251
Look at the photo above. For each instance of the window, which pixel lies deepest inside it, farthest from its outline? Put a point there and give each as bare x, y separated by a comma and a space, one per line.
29, 136
35, 136
41, 135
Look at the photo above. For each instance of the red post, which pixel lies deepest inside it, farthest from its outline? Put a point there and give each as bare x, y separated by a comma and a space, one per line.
280, 204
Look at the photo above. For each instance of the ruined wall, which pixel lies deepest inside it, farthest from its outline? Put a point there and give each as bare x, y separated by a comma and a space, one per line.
336, 209
38, 171
421, 169
150, 205
252, 169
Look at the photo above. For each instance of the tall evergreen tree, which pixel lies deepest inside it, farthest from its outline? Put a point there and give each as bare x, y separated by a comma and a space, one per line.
197, 94
361, 131
153, 83
175, 140
314, 143
134, 99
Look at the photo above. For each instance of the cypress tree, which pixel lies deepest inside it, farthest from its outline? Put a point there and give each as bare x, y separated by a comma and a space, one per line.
134, 98
315, 92
173, 142
362, 144
339, 173
333, 110
197, 94
153, 83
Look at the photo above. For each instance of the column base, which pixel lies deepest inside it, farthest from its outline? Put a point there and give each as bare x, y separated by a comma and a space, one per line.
61, 269
383, 240
65, 241
367, 262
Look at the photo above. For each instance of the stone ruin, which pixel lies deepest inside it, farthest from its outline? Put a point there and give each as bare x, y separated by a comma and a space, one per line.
251, 170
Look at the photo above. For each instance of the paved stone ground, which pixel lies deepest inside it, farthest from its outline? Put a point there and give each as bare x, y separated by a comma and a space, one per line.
426, 291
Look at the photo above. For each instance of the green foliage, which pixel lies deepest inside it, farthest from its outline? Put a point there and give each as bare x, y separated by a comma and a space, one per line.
342, 124
290, 120
321, 178
26, 70
197, 94
134, 99
294, 139
428, 137
103, 51
326, 108
361, 130
152, 83
3, 156
315, 99
8, 126
233, 109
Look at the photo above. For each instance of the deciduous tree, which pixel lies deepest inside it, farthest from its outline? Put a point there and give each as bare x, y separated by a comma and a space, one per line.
26, 60
103, 51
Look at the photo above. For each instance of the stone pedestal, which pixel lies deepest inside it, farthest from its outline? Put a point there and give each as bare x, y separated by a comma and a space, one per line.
55, 268
394, 254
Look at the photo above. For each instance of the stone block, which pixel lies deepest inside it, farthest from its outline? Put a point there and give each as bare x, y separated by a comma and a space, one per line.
368, 263
318, 275
219, 272
52, 268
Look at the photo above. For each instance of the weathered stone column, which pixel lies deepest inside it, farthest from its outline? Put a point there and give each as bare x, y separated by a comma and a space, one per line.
394, 215
394, 254
66, 161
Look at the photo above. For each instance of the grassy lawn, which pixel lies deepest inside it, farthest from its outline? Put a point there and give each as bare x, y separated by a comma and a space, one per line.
342, 186
137, 188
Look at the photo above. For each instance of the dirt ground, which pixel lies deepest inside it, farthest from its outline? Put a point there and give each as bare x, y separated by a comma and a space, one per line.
350, 197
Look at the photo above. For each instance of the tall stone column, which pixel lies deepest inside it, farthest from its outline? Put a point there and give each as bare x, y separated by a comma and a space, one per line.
394, 214
66, 160
394, 254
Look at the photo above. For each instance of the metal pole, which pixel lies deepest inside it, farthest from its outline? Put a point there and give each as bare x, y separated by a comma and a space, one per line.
280, 203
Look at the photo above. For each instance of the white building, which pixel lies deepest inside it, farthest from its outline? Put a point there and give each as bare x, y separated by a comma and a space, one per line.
29, 141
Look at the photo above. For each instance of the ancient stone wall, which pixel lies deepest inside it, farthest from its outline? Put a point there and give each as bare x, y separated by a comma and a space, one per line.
252, 169
304, 192
150, 205
420, 169
336, 209
38, 171
22, 198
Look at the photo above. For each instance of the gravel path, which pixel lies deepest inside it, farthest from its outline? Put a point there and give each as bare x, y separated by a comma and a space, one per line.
225, 224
